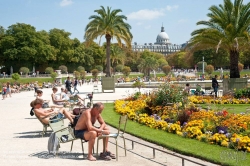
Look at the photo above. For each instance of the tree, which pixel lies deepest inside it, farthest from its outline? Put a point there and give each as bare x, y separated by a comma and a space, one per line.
166, 69
95, 73
24, 70
126, 71
209, 69
63, 69
49, 70
111, 25
15, 76
148, 64
138, 84
227, 28
53, 75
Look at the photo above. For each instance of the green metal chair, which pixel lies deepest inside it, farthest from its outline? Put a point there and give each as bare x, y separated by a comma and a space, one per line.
121, 130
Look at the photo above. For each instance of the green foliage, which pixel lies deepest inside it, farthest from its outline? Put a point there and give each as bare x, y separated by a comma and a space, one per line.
225, 28
80, 68
138, 84
82, 74
119, 68
116, 28
15, 76
24, 70
126, 71
95, 73
99, 68
49, 70
209, 69
77, 74
168, 93
200, 65
63, 69
53, 75
242, 93
166, 69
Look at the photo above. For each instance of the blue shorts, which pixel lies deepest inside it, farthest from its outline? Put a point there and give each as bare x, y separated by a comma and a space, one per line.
56, 118
80, 134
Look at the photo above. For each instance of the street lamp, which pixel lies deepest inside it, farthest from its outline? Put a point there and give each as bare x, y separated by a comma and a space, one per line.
203, 65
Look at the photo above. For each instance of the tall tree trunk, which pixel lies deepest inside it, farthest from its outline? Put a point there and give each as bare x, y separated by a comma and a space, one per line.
234, 59
108, 71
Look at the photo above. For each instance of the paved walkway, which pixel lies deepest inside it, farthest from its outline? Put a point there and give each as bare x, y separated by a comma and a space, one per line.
22, 145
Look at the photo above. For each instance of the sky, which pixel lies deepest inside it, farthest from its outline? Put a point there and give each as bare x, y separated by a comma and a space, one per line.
179, 17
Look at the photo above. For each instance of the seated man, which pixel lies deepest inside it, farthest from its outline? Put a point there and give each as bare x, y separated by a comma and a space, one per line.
46, 115
86, 130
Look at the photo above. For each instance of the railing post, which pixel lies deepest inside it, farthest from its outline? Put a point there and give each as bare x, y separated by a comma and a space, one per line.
153, 152
132, 145
183, 162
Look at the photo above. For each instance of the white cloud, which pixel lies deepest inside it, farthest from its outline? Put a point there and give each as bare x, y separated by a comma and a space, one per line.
170, 8
146, 14
147, 27
66, 2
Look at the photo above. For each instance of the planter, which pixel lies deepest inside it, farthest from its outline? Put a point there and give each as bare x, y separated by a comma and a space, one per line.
230, 84
108, 84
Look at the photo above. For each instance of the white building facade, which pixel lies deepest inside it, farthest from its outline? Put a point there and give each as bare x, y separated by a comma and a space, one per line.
162, 45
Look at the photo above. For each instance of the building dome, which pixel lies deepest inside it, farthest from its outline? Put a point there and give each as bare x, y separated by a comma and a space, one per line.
162, 37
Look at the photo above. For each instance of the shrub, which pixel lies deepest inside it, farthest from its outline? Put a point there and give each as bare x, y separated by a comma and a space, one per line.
126, 71
138, 85
99, 68
77, 74
168, 93
49, 70
82, 74
119, 68
53, 75
166, 69
242, 93
63, 68
80, 69
209, 69
95, 73
24, 70
15, 76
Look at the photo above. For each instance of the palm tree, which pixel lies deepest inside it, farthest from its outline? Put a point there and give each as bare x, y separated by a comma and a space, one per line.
111, 25
148, 64
227, 28
117, 56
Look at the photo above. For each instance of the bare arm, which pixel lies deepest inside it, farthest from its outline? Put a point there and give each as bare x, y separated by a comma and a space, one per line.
89, 123
101, 121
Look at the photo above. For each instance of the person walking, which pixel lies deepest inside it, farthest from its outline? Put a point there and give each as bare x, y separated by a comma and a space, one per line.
75, 85
68, 84
215, 85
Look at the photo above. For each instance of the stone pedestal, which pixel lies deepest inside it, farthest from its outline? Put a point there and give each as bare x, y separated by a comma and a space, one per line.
230, 84
59, 77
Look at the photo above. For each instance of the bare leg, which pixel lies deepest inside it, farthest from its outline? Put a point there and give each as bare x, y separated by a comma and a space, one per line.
67, 114
90, 136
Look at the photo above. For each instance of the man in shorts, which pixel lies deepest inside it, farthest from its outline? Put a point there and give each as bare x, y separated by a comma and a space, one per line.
86, 130
50, 114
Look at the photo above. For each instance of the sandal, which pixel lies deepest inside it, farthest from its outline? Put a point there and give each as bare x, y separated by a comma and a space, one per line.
111, 154
105, 156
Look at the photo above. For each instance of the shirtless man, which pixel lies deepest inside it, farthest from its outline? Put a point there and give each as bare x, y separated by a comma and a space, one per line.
86, 130
46, 115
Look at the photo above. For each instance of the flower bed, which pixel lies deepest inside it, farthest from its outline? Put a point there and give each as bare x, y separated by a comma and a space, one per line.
215, 127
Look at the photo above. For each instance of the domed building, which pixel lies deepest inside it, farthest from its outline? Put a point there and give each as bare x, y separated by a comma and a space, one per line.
162, 45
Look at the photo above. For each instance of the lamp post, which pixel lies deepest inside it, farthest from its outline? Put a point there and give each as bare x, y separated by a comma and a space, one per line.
203, 65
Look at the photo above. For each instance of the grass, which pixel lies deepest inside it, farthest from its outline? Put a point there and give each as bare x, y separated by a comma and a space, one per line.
191, 147
232, 108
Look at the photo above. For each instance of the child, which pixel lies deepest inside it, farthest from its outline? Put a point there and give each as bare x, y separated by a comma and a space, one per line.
4, 90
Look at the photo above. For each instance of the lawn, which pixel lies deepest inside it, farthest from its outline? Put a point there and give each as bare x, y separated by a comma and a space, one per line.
212, 153
232, 108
